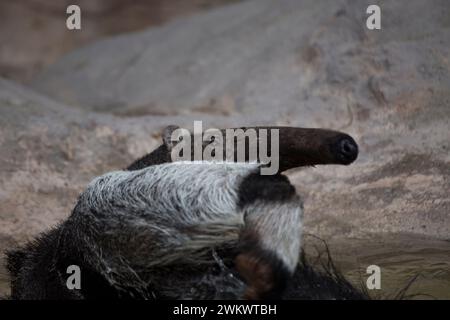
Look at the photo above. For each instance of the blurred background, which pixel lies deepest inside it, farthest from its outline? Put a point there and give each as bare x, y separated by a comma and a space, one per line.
77, 103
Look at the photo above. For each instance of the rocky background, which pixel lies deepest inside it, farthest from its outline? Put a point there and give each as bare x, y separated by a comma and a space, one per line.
257, 62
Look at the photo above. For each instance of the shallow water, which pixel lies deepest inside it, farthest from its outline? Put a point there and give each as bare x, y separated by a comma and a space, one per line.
400, 260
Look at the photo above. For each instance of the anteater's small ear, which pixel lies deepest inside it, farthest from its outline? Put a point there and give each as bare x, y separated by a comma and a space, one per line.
167, 136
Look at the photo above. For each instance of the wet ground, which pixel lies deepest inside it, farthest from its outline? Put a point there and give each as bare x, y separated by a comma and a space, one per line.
401, 259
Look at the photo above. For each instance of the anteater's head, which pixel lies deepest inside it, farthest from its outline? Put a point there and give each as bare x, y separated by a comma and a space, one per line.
298, 147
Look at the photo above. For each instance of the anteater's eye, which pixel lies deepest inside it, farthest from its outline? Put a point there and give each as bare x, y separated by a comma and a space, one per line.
213, 138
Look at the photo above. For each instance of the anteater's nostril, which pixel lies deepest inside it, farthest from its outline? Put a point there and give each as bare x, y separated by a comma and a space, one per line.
348, 150
347, 147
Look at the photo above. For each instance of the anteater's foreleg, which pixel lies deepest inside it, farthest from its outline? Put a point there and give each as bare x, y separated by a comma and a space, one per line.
270, 240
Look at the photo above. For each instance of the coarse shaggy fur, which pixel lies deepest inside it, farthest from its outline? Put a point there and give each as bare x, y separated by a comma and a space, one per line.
163, 230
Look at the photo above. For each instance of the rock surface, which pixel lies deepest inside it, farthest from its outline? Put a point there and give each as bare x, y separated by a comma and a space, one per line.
308, 63
33, 33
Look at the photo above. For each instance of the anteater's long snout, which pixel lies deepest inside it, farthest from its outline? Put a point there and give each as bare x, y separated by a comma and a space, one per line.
296, 147
310, 146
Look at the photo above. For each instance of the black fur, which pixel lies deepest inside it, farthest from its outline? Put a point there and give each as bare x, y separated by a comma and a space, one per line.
35, 275
34, 270
158, 156
265, 187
